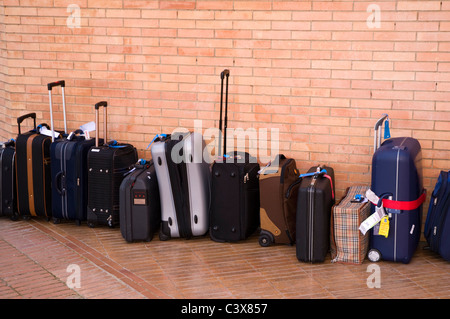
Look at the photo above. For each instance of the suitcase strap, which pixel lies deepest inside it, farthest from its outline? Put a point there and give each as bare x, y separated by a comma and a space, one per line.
396, 204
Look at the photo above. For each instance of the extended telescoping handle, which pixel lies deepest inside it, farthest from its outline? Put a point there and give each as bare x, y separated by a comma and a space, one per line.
377, 132
24, 117
50, 86
103, 104
223, 74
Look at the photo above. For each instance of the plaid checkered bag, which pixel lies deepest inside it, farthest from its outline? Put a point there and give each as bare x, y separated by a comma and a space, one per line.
348, 244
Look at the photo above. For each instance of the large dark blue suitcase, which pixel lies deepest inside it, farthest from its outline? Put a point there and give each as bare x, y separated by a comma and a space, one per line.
69, 177
68, 157
397, 181
437, 225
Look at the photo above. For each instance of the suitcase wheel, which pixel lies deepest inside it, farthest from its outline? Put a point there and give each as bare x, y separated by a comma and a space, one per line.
374, 255
266, 239
14, 217
56, 220
78, 222
163, 237
91, 225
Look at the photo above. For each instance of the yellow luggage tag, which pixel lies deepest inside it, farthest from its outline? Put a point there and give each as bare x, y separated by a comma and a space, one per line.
384, 227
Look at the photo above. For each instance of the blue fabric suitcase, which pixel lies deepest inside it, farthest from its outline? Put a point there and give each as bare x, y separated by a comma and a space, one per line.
437, 225
397, 181
69, 177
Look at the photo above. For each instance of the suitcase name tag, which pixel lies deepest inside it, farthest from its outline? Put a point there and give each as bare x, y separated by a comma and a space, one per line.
384, 227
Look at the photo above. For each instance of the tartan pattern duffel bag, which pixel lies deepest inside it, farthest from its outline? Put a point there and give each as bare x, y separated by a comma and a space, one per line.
348, 244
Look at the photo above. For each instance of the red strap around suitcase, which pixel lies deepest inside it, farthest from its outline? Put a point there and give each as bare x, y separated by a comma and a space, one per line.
405, 205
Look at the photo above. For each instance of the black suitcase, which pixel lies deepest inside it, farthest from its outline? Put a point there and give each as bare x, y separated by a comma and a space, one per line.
314, 204
140, 208
68, 158
107, 165
33, 174
234, 190
8, 180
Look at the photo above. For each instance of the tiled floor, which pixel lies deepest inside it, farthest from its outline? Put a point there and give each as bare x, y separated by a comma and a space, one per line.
35, 255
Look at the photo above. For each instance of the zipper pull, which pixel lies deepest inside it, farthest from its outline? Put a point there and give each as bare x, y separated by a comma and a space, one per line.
246, 178
435, 201
78, 181
434, 230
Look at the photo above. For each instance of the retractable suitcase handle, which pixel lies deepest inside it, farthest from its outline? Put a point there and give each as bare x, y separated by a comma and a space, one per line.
103, 104
24, 117
50, 86
224, 73
377, 132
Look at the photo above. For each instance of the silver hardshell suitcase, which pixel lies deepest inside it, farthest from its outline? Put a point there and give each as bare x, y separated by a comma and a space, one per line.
184, 179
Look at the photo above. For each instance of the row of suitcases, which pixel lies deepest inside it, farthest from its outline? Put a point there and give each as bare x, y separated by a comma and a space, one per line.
67, 176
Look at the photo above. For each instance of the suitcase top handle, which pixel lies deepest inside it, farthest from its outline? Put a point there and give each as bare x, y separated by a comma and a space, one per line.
61, 83
24, 117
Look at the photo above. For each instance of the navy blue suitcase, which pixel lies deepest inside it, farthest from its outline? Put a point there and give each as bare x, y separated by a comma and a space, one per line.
437, 225
69, 177
397, 180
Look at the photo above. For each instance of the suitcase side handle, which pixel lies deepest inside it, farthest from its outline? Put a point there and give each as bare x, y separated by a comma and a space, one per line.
103, 104
24, 117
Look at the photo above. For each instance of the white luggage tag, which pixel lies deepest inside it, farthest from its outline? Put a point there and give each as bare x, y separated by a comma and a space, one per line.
45, 131
372, 220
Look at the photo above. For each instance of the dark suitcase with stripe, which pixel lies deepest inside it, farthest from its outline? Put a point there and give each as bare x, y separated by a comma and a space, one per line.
314, 205
437, 225
234, 189
140, 208
69, 178
33, 174
8, 202
68, 157
397, 181
107, 165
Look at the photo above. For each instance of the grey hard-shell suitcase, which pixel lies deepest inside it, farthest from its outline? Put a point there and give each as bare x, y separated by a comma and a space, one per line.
184, 180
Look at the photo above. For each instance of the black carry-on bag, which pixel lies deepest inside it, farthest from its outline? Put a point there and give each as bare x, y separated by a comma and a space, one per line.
107, 165
140, 208
33, 173
234, 190
8, 201
68, 157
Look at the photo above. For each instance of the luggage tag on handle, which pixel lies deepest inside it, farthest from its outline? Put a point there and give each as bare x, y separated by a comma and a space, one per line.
372, 220
387, 132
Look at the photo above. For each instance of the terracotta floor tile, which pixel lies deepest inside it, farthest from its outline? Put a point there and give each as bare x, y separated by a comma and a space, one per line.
34, 256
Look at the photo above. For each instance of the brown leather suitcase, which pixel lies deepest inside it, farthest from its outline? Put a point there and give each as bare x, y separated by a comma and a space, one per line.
278, 201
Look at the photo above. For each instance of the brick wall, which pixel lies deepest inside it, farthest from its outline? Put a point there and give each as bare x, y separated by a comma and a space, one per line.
322, 72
